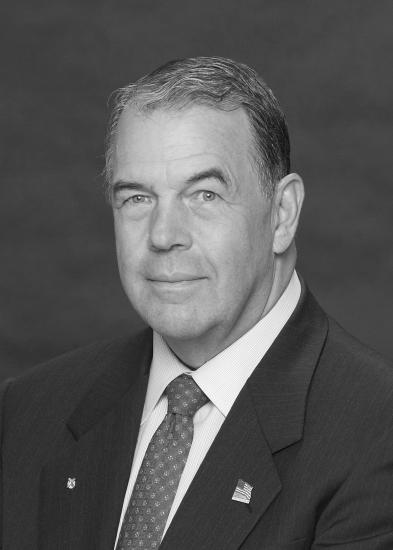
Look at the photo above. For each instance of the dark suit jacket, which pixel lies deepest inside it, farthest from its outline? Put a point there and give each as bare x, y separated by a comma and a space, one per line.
311, 431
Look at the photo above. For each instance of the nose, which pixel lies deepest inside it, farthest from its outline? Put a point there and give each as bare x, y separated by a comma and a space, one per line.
169, 227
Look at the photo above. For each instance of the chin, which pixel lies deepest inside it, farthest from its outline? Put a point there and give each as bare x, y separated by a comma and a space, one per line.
177, 325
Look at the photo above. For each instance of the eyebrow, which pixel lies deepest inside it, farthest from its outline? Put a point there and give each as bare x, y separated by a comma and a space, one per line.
122, 184
211, 173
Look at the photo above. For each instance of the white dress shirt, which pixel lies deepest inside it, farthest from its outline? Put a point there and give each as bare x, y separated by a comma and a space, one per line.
221, 379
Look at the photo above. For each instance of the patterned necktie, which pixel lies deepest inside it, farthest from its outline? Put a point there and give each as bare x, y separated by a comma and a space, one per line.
159, 475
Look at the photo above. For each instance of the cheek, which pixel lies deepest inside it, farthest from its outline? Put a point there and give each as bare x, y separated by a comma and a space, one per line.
232, 258
128, 247
247, 242
122, 245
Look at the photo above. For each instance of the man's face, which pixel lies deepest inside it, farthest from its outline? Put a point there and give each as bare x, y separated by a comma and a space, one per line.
193, 229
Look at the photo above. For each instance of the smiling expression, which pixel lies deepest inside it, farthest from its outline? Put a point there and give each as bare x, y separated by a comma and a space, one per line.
193, 229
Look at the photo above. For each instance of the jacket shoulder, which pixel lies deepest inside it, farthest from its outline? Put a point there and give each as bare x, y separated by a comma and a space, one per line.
65, 369
58, 384
352, 387
348, 438
347, 352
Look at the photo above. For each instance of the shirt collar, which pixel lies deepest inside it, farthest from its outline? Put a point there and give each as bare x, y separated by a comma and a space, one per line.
222, 377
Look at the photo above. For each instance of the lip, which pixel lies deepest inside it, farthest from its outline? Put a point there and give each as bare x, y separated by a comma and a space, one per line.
174, 278
174, 290
174, 286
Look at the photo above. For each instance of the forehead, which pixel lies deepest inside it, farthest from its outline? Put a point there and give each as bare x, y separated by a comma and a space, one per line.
182, 139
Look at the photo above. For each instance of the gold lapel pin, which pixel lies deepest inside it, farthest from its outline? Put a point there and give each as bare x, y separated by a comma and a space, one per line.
71, 482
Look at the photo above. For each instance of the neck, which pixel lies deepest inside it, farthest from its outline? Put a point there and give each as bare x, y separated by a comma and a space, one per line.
196, 352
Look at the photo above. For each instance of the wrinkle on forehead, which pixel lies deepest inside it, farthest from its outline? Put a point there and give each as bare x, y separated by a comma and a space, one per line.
170, 142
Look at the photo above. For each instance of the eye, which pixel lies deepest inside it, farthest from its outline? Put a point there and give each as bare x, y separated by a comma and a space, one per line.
137, 199
207, 196
129, 198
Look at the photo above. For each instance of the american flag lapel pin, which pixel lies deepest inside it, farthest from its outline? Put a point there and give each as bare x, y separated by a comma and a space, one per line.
242, 492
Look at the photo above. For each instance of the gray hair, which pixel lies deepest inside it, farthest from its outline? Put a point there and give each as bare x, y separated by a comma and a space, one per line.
219, 83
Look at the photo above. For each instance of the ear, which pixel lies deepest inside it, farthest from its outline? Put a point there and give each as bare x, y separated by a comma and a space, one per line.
288, 200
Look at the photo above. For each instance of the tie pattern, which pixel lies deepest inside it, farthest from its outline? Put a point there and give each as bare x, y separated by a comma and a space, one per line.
159, 475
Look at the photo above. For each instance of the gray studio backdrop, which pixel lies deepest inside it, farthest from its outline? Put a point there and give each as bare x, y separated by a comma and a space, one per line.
330, 66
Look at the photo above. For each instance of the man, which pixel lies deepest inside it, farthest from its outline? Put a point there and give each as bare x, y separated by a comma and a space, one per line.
245, 417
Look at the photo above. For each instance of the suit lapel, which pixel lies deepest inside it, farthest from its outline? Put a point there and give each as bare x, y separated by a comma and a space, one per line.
208, 518
267, 417
280, 384
96, 451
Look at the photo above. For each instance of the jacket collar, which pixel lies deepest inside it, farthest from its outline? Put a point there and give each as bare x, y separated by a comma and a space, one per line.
279, 385
122, 365
95, 452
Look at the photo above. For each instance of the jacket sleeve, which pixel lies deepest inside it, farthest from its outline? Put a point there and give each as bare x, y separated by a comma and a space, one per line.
359, 514
3, 390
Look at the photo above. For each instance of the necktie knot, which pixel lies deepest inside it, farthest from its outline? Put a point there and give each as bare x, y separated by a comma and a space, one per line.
185, 397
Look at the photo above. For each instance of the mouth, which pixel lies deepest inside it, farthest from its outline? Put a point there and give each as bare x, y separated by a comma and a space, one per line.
174, 279
179, 285
174, 285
